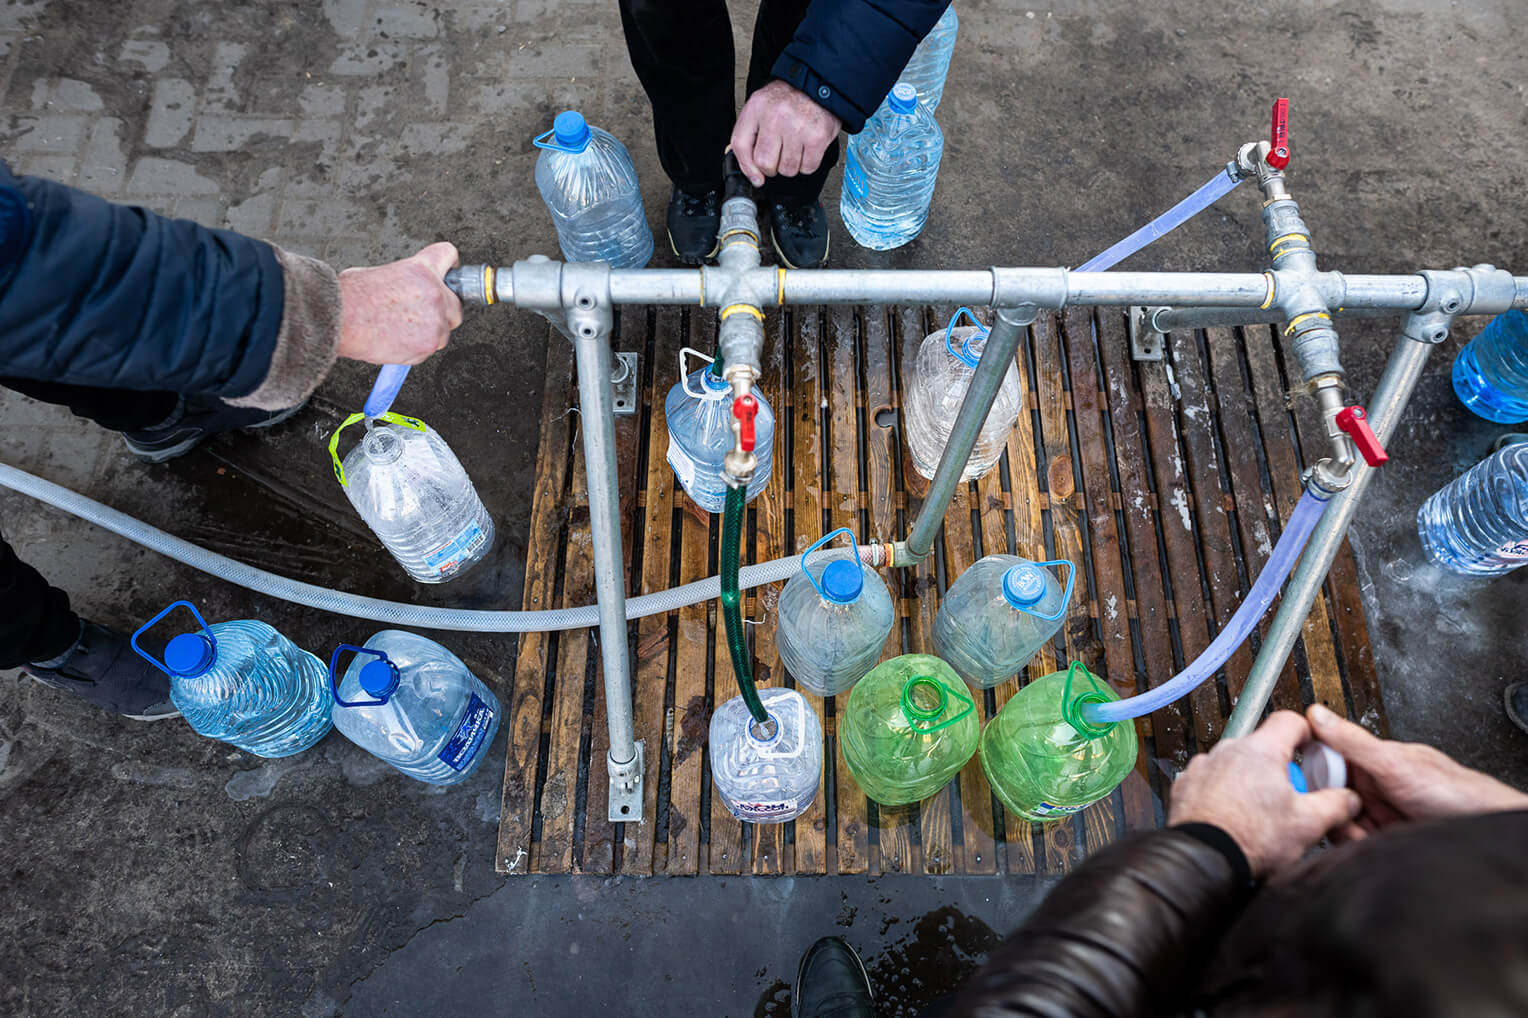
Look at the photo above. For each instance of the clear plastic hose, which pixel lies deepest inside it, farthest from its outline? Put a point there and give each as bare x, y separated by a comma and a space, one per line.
1216, 189
1267, 586
392, 612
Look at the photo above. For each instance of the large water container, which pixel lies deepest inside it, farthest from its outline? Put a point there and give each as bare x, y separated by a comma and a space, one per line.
412, 703
698, 412
998, 614
590, 187
937, 386
1477, 524
930, 62
245, 684
890, 171
834, 623
767, 773
909, 728
1043, 759
1491, 372
413, 493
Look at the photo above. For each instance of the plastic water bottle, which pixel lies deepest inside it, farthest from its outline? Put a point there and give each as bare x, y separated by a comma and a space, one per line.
698, 412
412, 703
890, 171
1477, 524
767, 773
930, 62
833, 625
909, 728
413, 493
1043, 759
998, 614
245, 684
1491, 372
937, 386
590, 186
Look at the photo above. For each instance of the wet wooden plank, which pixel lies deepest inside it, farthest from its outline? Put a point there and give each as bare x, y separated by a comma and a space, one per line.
542, 557
976, 792
725, 855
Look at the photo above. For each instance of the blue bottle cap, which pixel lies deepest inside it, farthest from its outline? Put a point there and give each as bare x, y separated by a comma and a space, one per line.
903, 98
570, 130
713, 382
189, 655
1024, 585
842, 581
379, 677
1297, 778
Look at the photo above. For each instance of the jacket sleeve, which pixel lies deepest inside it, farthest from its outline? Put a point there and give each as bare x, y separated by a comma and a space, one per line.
93, 293
1126, 934
847, 54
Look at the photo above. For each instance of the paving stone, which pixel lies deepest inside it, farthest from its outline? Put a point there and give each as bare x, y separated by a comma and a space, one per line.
331, 217
215, 133
415, 21
256, 215
219, 94
50, 132
347, 16
434, 139
370, 59
320, 100
20, 15
542, 60
102, 169
207, 210
437, 81
60, 95
154, 176
150, 53
59, 168
317, 176
171, 111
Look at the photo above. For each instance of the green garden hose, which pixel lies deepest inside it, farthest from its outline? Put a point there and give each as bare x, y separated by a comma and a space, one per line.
732, 602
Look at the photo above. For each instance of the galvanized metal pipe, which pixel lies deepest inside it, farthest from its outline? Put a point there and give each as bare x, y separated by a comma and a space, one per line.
1166, 320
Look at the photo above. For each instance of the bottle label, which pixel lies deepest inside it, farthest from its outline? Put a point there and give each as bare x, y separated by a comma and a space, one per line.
684, 466
1513, 551
854, 177
463, 545
462, 748
1045, 809
770, 810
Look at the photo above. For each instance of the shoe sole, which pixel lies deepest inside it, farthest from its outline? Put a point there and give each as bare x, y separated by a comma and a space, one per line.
712, 254
157, 456
130, 717
796, 986
773, 242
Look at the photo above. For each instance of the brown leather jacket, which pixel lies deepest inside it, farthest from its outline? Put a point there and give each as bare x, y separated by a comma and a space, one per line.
1425, 919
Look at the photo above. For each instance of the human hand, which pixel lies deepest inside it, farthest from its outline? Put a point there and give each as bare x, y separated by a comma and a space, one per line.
1401, 781
1242, 786
399, 313
781, 131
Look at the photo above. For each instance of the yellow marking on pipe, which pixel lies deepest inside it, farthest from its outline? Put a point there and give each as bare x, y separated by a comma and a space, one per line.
753, 238
1295, 322
489, 297
732, 309
1290, 237
1267, 303
780, 286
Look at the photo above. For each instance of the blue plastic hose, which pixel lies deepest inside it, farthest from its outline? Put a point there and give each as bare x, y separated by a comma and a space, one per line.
1217, 188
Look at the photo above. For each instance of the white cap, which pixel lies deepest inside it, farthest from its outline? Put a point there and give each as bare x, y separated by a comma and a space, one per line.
1324, 767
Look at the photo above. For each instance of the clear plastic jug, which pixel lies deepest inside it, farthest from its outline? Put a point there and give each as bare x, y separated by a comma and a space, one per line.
767, 773
939, 380
698, 411
909, 728
833, 625
1477, 524
930, 63
589, 184
998, 614
890, 172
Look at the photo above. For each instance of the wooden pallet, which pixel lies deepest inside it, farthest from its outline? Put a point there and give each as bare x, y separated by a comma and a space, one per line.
1167, 482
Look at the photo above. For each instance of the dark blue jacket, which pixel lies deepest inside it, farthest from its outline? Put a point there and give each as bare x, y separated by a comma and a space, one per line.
847, 54
93, 293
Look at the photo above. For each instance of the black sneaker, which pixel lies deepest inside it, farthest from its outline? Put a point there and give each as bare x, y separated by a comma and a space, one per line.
1516, 697
831, 983
800, 234
200, 418
693, 221
102, 668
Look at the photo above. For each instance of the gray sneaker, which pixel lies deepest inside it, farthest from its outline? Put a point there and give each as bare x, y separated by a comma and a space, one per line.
102, 669
1516, 699
199, 418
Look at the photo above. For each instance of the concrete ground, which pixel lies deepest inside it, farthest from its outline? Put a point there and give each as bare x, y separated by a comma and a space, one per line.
150, 872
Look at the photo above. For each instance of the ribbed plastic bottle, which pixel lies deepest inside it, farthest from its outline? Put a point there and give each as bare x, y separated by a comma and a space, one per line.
890, 171
698, 411
412, 703
930, 62
998, 614
589, 184
1491, 372
834, 622
766, 773
937, 385
413, 493
1477, 524
1043, 759
910, 727
245, 684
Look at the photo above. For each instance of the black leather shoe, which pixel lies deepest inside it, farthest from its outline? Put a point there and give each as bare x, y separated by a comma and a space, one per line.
693, 221
800, 234
1516, 696
831, 983
101, 668
199, 419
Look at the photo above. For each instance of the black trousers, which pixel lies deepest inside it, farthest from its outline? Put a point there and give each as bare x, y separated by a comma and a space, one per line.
36, 622
682, 53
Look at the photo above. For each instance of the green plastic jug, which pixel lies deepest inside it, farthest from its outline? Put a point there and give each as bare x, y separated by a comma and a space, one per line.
909, 727
1043, 759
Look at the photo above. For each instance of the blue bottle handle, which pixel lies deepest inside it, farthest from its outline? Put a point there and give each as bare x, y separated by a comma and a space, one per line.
1066, 595
385, 389
964, 354
824, 539
334, 682
151, 623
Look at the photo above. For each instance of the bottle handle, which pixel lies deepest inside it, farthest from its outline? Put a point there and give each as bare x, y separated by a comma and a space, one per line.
151, 623
334, 682
1066, 595
824, 539
684, 373
914, 714
1071, 710
540, 141
389, 418
964, 354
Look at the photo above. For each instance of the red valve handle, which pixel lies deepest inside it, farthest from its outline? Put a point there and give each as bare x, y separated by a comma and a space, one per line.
1355, 424
1278, 143
745, 410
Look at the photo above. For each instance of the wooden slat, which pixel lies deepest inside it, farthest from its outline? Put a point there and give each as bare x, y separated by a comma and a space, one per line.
993, 533
725, 855
522, 778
